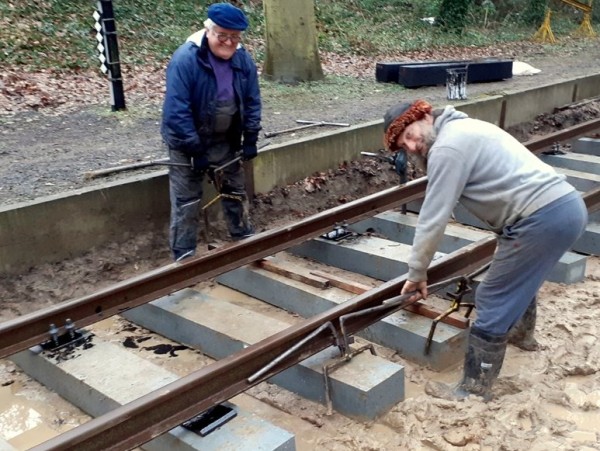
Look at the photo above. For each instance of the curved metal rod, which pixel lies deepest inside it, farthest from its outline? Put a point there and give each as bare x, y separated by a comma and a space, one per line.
284, 355
402, 301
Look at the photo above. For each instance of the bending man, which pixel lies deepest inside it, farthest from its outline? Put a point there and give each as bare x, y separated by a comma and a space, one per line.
535, 213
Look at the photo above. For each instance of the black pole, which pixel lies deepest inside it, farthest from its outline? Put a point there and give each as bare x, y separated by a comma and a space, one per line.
109, 30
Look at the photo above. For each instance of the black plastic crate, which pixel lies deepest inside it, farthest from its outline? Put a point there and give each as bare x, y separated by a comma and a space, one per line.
387, 72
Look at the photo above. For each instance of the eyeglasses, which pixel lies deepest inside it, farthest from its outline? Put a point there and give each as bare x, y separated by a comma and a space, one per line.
224, 37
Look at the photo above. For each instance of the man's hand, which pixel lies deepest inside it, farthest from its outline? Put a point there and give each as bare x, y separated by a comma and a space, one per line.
249, 151
419, 287
200, 163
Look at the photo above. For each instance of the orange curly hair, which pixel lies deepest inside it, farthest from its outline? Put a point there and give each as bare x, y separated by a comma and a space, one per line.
415, 112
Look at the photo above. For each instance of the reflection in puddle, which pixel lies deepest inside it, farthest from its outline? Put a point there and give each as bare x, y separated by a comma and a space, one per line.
16, 416
585, 421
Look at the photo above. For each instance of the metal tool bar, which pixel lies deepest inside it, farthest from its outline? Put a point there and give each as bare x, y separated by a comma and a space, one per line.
229, 163
335, 124
129, 167
145, 164
463, 287
289, 130
168, 163
387, 307
280, 358
141, 420
308, 124
380, 157
217, 171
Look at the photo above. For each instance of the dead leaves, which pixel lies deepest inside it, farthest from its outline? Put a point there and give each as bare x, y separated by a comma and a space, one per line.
314, 183
21, 90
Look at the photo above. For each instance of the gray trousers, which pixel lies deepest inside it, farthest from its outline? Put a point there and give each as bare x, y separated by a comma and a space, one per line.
185, 191
526, 254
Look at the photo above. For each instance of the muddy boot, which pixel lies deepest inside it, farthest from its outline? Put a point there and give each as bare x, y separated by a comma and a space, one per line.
521, 334
485, 354
236, 208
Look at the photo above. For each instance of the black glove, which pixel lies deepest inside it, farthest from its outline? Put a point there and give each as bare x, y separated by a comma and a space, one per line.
249, 149
400, 163
199, 163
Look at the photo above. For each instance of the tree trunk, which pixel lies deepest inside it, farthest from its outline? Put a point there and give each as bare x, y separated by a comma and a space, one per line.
292, 54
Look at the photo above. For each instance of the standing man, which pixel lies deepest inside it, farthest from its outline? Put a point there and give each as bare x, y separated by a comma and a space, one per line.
212, 110
535, 213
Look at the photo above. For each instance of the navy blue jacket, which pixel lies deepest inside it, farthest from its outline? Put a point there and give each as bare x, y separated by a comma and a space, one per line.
190, 101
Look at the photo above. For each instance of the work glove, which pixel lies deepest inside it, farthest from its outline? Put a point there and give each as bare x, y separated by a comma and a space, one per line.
249, 149
199, 163
400, 163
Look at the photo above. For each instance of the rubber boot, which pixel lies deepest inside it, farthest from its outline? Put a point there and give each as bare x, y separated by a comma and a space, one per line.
521, 334
483, 361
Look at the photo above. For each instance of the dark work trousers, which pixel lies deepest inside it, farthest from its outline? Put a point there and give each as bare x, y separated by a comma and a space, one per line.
185, 190
527, 252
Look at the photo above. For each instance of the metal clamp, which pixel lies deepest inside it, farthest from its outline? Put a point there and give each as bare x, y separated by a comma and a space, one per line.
463, 286
396, 303
339, 233
327, 369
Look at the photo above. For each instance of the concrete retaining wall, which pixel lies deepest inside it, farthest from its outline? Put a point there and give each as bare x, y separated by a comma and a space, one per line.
54, 228
58, 227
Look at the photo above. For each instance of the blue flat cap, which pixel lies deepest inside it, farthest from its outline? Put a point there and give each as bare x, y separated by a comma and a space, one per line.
228, 16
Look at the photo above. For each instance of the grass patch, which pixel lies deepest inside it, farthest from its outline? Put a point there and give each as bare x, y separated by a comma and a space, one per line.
60, 34
330, 89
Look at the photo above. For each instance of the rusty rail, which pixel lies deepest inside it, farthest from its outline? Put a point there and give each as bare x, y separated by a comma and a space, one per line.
28, 330
539, 144
155, 413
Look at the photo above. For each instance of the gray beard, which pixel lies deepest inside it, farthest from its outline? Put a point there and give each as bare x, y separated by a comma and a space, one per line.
430, 137
419, 162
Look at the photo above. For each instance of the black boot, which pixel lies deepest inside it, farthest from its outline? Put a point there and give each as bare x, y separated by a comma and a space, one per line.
483, 361
521, 334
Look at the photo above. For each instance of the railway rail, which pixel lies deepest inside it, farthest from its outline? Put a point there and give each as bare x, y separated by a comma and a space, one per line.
149, 416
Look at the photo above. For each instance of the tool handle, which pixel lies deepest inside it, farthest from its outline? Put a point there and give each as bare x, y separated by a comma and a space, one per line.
126, 167
337, 124
288, 130
379, 157
168, 163
224, 165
